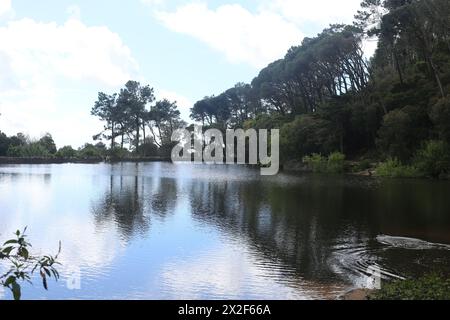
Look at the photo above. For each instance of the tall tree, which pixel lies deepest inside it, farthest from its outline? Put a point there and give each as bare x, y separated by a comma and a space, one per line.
107, 109
133, 100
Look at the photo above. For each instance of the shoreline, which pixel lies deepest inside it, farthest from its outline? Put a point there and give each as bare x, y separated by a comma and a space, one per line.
40, 160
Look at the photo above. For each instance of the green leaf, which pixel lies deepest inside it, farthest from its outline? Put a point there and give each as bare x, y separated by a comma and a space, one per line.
10, 280
24, 253
44, 282
17, 292
10, 242
7, 250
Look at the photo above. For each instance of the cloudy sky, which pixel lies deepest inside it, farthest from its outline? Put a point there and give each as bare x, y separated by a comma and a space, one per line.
55, 56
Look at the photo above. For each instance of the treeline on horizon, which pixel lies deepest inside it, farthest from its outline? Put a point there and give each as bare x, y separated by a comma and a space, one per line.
324, 95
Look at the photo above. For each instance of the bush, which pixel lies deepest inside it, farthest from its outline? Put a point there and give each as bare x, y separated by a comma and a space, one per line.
331, 164
34, 149
307, 134
393, 168
90, 151
429, 287
118, 153
401, 132
336, 162
433, 159
316, 162
362, 165
66, 152
47, 142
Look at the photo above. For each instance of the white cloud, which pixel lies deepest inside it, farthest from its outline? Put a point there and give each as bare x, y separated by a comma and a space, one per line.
242, 36
42, 63
5, 7
260, 37
153, 2
318, 12
72, 50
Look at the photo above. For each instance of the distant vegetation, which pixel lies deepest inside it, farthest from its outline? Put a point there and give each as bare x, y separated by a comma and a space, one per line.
135, 125
324, 95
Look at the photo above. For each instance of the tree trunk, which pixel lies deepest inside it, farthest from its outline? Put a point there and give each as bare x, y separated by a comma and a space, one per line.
137, 135
397, 64
436, 75
143, 135
112, 135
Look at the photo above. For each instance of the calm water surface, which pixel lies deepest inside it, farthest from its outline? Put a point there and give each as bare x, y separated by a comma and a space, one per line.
164, 231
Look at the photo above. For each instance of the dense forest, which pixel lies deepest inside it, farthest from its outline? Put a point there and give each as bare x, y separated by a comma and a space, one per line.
325, 96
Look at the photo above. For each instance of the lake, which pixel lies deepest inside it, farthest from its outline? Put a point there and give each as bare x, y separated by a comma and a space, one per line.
166, 231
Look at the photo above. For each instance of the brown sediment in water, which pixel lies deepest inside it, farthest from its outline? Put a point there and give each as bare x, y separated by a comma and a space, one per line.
357, 295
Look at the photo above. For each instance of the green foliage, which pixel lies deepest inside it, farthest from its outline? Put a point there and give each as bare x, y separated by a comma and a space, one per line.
440, 115
402, 131
429, 287
22, 264
47, 142
118, 153
4, 144
90, 151
316, 162
130, 115
66, 152
333, 164
306, 135
433, 159
393, 168
362, 165
336, 163
34, 149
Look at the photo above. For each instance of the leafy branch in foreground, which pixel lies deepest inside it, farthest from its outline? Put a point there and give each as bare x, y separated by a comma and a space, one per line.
23, 265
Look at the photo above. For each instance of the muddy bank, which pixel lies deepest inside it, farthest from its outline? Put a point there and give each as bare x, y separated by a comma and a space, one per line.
356, 295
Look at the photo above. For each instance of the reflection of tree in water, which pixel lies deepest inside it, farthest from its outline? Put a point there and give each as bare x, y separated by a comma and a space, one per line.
163, 198
123, 204
131, 201
306, 226
292, 225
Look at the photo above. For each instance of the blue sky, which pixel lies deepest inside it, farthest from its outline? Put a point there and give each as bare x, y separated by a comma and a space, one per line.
55, 56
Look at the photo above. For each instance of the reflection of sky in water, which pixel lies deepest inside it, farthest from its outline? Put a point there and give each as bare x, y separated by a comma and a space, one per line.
157, 230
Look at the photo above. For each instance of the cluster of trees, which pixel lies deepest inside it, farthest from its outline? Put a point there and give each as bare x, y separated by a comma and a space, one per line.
22, 145
326, 97
134, 125
132, 118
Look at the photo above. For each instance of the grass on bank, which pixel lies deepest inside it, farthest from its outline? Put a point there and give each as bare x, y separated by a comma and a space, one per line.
429, 287
334, 163
432, 160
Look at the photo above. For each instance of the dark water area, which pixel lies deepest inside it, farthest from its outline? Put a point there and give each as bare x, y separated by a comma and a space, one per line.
165, 231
